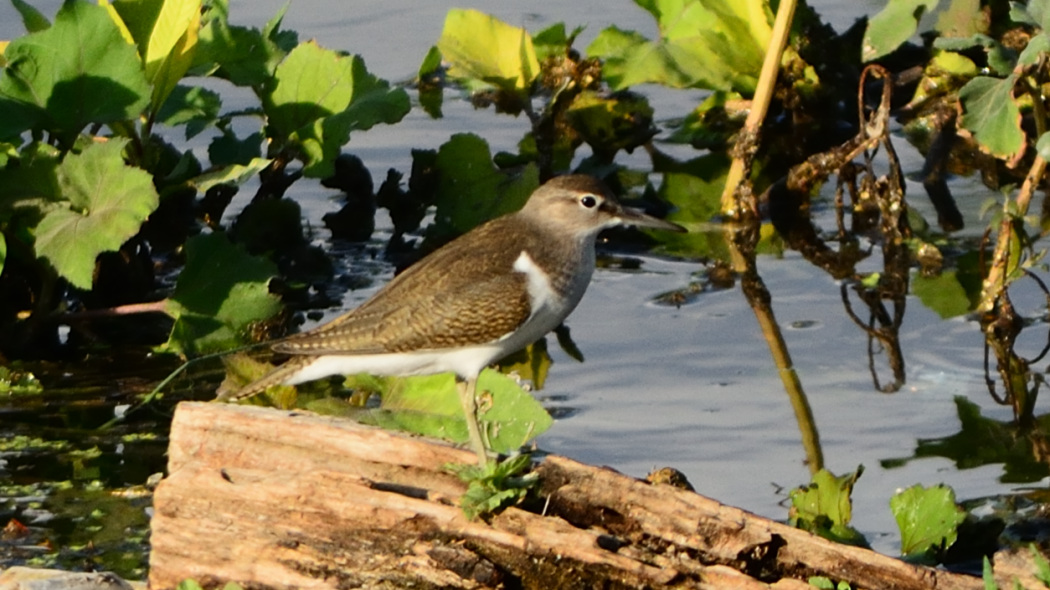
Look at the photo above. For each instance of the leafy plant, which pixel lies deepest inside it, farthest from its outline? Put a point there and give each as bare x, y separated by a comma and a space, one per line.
928, 519
85, 170
712, 45
824, 507
495, 485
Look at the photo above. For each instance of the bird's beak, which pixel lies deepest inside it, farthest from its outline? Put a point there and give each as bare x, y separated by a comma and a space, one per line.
636, 217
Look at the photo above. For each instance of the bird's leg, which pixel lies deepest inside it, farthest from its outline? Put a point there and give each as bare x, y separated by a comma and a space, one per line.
470, 411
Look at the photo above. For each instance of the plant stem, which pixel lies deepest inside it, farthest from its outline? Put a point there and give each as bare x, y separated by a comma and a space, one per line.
747, 141
995, 283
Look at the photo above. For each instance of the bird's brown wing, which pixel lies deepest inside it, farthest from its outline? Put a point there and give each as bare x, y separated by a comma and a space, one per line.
465, 293
477, 313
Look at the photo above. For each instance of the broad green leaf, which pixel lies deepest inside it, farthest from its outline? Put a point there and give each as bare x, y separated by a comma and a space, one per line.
319, 97
192, 106
893, 26
1034, 12
928, 519
1000, 58
481, 47
713, 45
471, 190
429, 405
554, 41
219, 294
824, 507
372, 101
32, 19
244, 56
1037, 47
108, 202
310, 84
165, 32
78, 72
992, 115
31, 188
3, 252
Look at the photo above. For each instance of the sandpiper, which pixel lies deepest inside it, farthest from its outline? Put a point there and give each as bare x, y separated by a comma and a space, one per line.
479, 298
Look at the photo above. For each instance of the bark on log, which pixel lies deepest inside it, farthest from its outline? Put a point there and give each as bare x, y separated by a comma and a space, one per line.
273, 499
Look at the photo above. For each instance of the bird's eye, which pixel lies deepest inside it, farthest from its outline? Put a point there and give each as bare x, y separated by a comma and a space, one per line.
589, 201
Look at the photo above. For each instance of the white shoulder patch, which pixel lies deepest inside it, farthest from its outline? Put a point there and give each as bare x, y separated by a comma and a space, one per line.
540, 292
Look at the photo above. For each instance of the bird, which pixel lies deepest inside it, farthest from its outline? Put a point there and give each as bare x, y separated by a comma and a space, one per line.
485, 295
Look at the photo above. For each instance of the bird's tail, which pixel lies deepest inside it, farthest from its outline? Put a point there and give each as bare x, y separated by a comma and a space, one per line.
229, 392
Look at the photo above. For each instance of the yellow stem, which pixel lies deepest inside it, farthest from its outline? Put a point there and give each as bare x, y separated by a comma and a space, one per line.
767, 79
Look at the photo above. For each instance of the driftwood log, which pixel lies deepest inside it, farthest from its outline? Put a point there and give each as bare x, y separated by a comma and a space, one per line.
274, 499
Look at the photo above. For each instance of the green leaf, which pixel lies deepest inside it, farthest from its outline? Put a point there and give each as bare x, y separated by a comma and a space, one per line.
319, 97
712, 45
429, 405
190, 105
219, 294
310, 84
108, 202
481, 47
554, 41
431, 63
824, 507
373, 100
1000, 58
31, 189
78, 72
893, 26
1037, 46
494, 486
928, 519
471, 190
244, 56
32, 19
235, 174
1035, 13
992, 115
165, 33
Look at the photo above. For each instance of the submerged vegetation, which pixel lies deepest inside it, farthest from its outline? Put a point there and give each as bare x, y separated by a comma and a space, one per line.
119, 157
